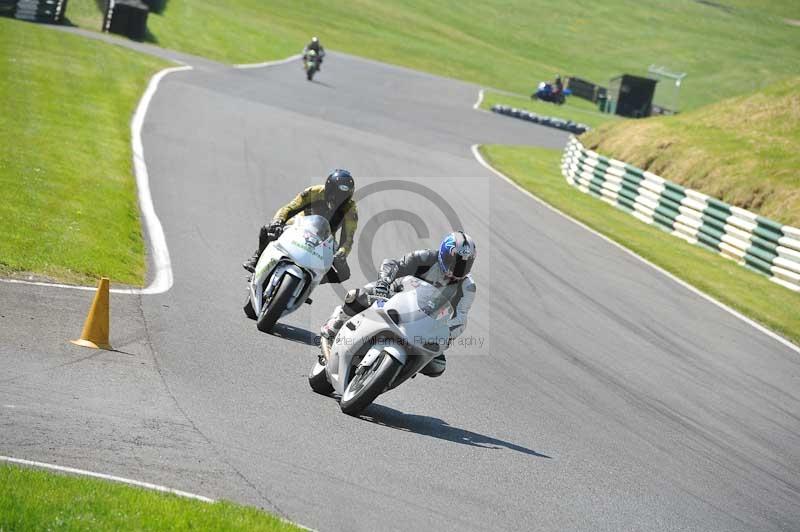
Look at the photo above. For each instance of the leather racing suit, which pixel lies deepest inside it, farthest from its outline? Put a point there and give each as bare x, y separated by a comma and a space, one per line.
317, 47
424, 265
312, 201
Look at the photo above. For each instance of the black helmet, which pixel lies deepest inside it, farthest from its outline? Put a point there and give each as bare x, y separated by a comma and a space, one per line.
456, 255
338, 188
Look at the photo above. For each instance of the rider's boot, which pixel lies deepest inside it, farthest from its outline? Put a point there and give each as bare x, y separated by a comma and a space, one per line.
250, 264
325, 350
330, 328
435, 367
355, 301
264, 238
328, 332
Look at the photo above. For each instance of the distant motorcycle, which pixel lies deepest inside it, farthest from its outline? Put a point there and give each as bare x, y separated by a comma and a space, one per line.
547, 93
311, 63
289, 269
383, 346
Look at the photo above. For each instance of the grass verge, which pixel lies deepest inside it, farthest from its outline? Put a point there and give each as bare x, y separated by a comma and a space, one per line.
537, 170
69, 209
37, 500
743, 150
728, 47
575, 109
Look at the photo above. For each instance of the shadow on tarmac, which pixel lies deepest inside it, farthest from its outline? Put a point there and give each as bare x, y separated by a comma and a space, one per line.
437, 428
296, 334
323, 84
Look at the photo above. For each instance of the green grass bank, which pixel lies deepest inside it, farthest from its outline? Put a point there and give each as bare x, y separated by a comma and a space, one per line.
37, 500
511, 44
537, 170
743, 150
69, 207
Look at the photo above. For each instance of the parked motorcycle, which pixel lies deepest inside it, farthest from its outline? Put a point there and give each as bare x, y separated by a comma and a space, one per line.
289, 269
385, 345
547, 93
311, 63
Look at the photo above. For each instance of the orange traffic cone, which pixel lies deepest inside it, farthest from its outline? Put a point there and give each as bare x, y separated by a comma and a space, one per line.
95, 328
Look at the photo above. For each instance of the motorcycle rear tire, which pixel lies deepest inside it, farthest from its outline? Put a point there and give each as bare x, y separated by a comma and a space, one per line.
353, 404
272, 312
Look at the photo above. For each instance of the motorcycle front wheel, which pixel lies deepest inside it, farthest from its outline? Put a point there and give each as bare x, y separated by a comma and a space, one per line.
318, 380
368, 383
249, 311
280, 299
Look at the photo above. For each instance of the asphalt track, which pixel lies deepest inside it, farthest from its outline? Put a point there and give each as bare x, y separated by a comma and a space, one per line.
608, 398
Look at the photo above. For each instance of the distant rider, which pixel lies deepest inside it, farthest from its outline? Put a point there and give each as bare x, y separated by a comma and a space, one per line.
317, 47
334, 201
558, 86
447, 266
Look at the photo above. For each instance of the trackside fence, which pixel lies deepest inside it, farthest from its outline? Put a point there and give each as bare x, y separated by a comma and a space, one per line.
549, 121
51, 11
758, 243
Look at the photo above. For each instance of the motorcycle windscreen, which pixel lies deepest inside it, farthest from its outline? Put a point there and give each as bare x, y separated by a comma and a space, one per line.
436, 301
422, 312
315, 224
310, 242
433, 301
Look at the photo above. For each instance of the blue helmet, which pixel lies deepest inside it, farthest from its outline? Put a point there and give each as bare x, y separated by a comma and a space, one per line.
456, 255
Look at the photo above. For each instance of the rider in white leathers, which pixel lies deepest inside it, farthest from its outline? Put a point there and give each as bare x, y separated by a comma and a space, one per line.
448, 265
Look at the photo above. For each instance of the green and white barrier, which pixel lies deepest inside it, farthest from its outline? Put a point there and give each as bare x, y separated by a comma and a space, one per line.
759, 243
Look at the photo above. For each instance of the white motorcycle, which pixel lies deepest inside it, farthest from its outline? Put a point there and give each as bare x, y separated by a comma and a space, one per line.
289, 269
383, 346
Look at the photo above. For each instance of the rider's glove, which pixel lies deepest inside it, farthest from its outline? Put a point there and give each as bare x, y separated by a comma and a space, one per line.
275, 228
382, 288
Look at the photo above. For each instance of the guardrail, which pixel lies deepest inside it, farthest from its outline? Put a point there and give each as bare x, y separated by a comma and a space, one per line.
549, 121
758, 243
35, 10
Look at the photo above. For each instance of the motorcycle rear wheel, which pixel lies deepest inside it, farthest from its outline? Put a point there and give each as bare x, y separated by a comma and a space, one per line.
273, 310
366, 386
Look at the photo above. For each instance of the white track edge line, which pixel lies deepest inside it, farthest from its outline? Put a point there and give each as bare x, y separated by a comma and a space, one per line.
269, 63
479, 100
163, 275
103, 476
723, 306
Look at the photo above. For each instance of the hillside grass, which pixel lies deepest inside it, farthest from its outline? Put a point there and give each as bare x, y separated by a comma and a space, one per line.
575, 109
69, 210
744, 150
537, 170
38, 500
510, 44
